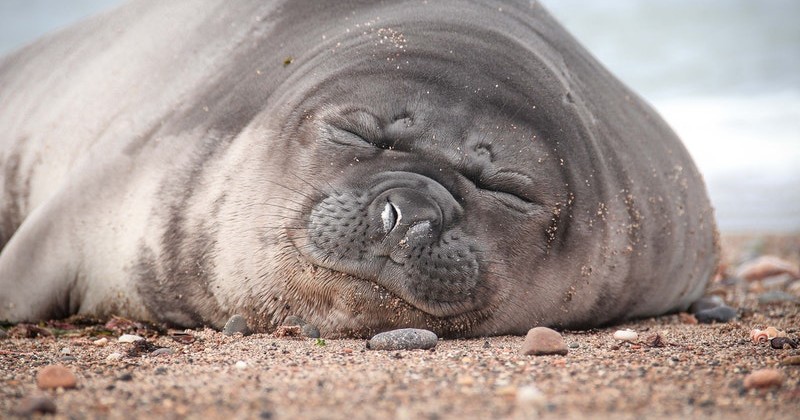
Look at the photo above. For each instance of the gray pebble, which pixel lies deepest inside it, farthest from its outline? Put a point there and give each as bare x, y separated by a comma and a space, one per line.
237, 324
403, 339
293, 320
161, 370
722, 313
67, 358
166, 351
705, 303
776, 297
41, 404
310, 331
574, 345
782, 343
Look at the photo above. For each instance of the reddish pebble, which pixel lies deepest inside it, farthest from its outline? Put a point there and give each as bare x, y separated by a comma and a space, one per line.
55, 376
763, 378
543, 341
767, 266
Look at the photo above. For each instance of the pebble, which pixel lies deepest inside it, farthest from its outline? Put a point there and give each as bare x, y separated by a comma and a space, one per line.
763, 378
41, 404
293, 320
776, 297
530, 395
791, 361
403, 339
236, 324
114, 356
626, 335
55, 376
722, 313
66, 351
310, 331
100, 342
129, 338
543, 341
241, 365
163, 351
782, 343
706, 302
766, 266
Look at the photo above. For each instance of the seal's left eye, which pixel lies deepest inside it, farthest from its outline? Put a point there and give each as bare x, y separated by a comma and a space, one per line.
511, 188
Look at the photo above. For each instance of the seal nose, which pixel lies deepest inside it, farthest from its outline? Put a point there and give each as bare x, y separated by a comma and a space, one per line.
409, 218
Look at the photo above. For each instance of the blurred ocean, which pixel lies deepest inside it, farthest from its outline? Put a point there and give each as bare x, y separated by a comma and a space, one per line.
724, 73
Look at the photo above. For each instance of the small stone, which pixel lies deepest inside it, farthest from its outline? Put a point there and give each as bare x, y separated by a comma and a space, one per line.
573, 345
236, 324
791, 361
55, 376
241, 365
706, 302
766, 266
114, 356
530, 395
626, 335
403, 339
722, 313
293, 320
782, 343
67, 358
163, 351
125, 377
763, 378
161, 370
129, 338
66, 351
100, 342
542, 341
687, 318
776, 297
310, 331
37, 404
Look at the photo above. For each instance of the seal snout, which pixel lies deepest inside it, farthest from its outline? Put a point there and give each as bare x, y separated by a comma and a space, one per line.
408, 217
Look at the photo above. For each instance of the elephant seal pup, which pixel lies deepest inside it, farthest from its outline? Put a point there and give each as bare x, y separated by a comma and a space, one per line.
461, 166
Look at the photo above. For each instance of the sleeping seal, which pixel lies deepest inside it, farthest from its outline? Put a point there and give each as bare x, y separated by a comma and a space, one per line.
461, 166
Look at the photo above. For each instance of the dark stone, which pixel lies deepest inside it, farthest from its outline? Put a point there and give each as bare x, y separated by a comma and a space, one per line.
722, 313
236, 324
293, 320
310, 331
705, 303
40, 404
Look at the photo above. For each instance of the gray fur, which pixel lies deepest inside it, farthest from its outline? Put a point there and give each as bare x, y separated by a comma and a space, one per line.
182, 162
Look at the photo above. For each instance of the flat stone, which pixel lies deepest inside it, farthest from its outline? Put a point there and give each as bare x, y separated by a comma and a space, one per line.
293, 320
767, 266
37, 404
705, 303
403, 339
776, 297
722, 313
236, 324
764, 378
791, 361
163, 351
55, 376
542, 341
626, 335
129, 338
310, 331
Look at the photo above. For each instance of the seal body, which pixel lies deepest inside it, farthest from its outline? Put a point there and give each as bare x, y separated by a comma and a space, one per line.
460, 166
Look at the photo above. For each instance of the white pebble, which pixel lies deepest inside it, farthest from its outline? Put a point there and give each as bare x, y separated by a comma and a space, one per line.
129, 338
101, 342
66, 351
114, 356
241, 365
626, 335
529, 394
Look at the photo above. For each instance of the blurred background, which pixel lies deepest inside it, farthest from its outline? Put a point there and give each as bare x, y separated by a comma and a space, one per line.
724, 73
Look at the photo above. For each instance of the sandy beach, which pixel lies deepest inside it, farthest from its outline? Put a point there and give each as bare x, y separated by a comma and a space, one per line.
676, 367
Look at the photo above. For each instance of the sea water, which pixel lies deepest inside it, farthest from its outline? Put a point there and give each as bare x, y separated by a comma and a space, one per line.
725, 74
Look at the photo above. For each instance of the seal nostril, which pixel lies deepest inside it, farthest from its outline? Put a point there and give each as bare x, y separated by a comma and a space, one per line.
390, 216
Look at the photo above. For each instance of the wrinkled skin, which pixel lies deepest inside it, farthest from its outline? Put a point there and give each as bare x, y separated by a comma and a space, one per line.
461, 166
